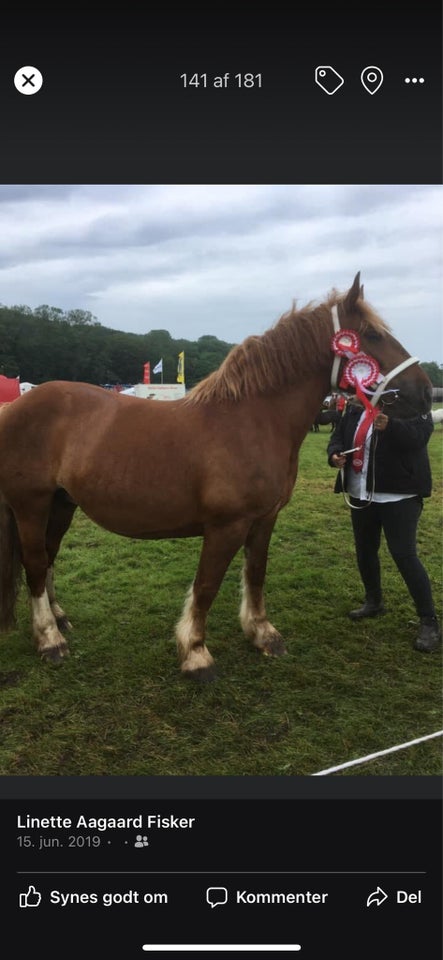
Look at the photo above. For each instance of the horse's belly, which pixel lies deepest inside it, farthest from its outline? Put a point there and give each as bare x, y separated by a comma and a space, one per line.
177, 533
143, 526
176, 499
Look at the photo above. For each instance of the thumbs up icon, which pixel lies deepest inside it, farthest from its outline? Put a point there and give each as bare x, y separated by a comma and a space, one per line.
30, 899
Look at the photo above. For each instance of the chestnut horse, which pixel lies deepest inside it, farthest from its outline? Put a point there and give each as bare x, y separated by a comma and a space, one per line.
218, 464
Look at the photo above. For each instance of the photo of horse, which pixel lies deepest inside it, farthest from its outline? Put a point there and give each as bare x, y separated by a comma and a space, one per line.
241, 430
176, 571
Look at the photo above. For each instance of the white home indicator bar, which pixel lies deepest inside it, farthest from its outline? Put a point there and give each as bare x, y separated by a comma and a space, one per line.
226, 947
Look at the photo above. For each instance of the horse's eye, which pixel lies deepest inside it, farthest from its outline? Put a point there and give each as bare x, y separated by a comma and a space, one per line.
373, 335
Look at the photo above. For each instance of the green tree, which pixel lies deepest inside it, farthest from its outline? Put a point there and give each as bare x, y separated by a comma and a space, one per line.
46, 312
49, 344
434, 372
81, 318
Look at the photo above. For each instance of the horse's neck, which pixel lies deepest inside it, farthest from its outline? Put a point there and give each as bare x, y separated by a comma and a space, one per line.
298, 406
315, 390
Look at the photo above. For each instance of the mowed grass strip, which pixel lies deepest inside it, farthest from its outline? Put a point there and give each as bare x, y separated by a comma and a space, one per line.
119, 705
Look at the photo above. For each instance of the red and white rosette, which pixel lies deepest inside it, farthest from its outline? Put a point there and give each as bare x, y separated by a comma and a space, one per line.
345, 343
362, 370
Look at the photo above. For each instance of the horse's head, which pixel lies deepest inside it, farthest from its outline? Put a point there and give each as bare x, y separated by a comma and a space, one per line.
408, 391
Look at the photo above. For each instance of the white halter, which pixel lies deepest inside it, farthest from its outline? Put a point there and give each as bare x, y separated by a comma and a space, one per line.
374, 397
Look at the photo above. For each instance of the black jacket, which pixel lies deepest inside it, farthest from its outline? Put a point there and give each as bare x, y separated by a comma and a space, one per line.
401, 456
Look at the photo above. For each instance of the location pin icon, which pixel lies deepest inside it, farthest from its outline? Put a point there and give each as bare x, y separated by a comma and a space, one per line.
372, 79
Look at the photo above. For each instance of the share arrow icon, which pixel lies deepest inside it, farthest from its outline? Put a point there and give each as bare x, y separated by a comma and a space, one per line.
377, 896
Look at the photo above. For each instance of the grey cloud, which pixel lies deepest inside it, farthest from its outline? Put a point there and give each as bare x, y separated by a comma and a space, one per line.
223, 260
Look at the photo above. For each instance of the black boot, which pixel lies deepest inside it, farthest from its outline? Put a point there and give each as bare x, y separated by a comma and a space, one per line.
370, 608
429, 635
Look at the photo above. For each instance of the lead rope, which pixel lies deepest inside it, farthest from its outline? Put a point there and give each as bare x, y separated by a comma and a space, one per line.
362, 506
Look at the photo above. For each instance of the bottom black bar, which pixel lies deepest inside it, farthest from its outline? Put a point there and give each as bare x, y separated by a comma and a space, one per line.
137, 878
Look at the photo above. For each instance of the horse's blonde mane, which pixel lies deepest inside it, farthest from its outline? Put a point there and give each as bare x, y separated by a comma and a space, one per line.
297, 344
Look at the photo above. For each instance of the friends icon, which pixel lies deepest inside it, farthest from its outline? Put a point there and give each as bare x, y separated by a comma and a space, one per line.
372, 79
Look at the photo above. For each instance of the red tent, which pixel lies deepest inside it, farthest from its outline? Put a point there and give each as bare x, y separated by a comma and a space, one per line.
9, 388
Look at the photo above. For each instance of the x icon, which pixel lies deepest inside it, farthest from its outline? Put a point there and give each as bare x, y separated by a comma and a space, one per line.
28, 80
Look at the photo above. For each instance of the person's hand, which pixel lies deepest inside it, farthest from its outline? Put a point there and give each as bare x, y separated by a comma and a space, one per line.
381, 421
338, 460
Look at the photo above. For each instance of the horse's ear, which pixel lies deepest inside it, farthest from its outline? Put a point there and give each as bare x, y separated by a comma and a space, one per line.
354, 293
362, 292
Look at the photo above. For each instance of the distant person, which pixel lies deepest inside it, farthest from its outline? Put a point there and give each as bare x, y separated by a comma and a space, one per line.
385, 481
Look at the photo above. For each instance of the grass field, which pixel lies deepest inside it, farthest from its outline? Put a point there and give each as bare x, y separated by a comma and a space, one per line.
119, 705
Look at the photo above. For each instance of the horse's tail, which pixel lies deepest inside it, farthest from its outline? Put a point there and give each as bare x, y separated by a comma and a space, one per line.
10, 566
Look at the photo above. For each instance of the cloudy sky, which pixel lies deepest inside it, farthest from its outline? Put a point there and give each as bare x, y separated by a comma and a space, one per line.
224, 260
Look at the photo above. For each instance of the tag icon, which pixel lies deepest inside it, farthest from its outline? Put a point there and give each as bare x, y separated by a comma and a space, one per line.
372, 79
328, 79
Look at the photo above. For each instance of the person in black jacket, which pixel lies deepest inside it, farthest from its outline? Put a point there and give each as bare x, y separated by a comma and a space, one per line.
384, 482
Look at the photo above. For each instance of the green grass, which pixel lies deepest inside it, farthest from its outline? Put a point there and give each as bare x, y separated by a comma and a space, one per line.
119, 705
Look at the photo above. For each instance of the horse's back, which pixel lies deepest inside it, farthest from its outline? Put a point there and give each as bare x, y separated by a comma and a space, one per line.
39, 426
72, 406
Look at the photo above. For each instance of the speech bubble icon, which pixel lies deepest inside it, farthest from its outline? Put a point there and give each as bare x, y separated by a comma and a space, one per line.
216, 896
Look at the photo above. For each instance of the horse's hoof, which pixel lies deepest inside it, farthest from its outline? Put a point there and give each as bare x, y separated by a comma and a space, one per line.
55, 655
63, 624
201, 675
274, 646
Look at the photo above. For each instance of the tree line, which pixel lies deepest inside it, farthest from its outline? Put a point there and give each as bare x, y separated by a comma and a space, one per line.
51, 344
48, 343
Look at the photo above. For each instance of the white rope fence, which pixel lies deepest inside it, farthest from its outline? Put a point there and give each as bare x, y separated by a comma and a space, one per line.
380, 753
